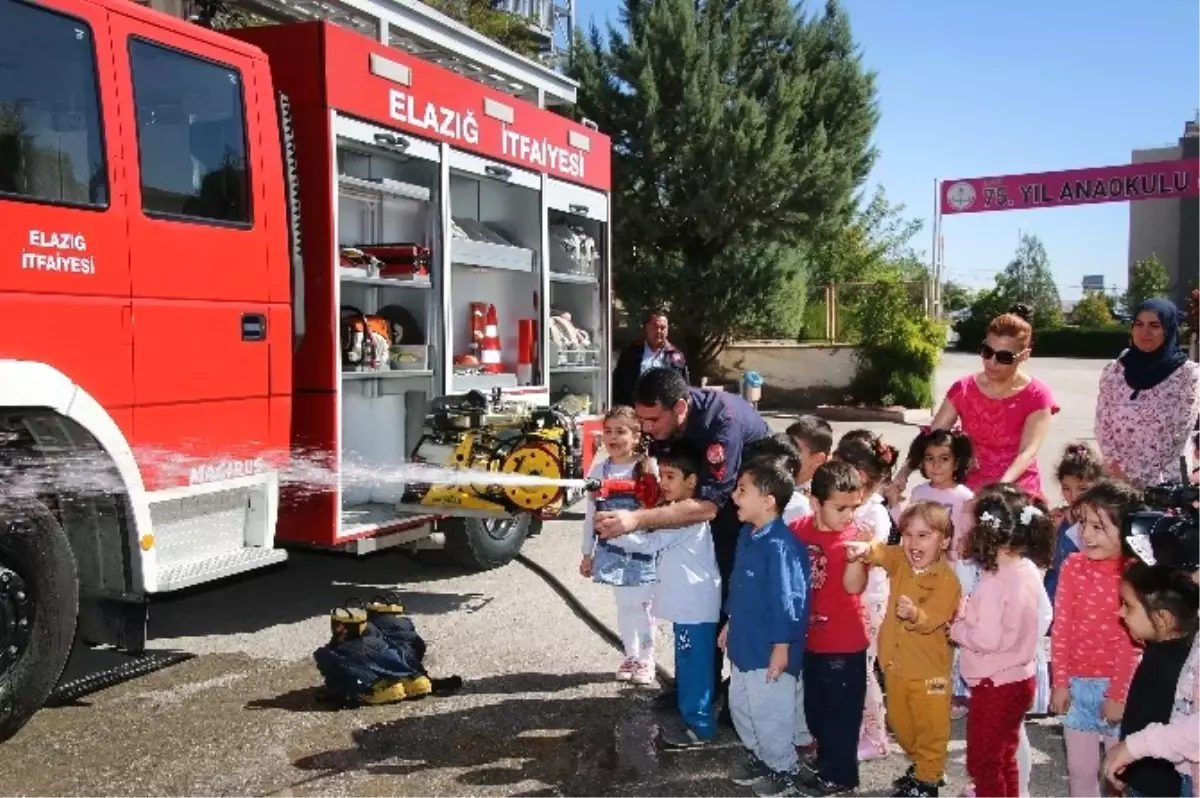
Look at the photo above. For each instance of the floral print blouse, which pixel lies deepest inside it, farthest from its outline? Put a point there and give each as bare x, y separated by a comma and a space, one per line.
1146, 436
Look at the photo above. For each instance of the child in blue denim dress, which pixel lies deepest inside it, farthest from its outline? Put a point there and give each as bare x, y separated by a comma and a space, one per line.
626, 563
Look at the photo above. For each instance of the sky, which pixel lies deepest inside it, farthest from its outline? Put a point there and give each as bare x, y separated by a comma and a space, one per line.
979, 89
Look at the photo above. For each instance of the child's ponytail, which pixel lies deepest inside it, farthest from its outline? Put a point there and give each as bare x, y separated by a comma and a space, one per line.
960, 449
869, 453
1008, 517
1080, 461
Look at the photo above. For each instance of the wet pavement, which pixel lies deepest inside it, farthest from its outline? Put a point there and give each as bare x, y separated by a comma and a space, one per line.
539, 713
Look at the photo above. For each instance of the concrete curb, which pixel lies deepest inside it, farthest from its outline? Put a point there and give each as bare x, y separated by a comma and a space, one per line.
893, 415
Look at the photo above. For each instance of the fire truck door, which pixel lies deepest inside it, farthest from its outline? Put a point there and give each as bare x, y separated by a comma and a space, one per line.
62, 207
197, 238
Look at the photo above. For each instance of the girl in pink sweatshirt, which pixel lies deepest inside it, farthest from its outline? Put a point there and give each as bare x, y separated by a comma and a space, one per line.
998, 631
1092, 653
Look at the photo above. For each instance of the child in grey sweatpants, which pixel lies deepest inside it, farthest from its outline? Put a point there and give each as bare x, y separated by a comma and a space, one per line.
764, 638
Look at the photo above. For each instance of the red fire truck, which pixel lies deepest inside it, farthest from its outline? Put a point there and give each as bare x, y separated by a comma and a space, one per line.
272, 246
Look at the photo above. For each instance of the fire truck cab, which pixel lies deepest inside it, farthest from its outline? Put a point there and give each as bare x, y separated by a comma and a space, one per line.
177, 206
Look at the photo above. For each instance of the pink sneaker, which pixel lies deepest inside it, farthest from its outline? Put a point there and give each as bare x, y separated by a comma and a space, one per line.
643, 674
625, 672
869, 750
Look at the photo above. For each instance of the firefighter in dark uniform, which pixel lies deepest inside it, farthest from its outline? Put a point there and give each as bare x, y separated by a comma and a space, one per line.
719, 425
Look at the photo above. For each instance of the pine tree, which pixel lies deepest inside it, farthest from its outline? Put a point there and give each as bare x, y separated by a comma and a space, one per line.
741, 129
1028, 280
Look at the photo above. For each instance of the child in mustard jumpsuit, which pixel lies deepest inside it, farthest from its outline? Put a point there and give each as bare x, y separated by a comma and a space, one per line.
914, 647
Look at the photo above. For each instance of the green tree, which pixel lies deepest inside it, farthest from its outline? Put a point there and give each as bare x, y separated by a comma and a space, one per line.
1147, 279
987, 305
1028, 280
956, 296
1093, 311
741, 131
899, 349
878, 237
487, 17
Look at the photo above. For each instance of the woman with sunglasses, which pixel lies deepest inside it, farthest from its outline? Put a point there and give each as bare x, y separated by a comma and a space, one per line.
1003, 410
1148, 400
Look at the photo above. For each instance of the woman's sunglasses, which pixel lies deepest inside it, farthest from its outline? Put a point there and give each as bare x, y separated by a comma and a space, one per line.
1002, 356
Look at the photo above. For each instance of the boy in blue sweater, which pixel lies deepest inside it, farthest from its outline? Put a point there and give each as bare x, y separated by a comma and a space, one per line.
768, 619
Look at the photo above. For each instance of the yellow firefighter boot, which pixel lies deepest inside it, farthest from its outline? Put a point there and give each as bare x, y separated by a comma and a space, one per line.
385, 692
417, 686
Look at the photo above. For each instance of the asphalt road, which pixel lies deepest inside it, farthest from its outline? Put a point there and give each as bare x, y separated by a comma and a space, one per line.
538, 715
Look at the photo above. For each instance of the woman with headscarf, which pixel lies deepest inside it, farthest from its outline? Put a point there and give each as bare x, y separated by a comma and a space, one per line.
1148, 401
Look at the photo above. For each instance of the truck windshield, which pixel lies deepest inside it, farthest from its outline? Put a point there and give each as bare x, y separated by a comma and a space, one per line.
51, 146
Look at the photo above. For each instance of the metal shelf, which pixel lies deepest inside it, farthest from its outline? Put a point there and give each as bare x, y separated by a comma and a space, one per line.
394, 374
481, 254
388, 188
577, 279
574, 369
349, 274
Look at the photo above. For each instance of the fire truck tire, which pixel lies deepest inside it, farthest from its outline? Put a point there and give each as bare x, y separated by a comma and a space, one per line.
38, 585
482, 544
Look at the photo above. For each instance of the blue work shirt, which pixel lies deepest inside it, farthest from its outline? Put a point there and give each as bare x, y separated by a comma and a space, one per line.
768, 597
719, 425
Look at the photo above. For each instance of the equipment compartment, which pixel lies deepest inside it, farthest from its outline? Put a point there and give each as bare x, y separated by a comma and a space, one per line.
494, 313
387, 201
578, 325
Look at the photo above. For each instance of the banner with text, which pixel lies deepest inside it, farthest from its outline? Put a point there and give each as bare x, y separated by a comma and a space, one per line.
1141, 181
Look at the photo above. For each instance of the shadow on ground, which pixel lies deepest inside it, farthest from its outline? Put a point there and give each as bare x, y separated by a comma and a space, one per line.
309, 584
579, 745
311, 699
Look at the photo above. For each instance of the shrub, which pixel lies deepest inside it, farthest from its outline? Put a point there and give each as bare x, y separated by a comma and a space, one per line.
1092, 312
898, 351
1105, 344
972, 328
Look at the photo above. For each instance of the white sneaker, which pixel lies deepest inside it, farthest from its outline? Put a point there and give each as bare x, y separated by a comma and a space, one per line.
643, 674
625, 672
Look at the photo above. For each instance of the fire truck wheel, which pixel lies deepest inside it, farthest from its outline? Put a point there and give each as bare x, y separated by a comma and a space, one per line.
39, 601
485, 543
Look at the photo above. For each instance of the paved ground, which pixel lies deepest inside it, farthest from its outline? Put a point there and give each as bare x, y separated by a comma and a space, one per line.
539, 714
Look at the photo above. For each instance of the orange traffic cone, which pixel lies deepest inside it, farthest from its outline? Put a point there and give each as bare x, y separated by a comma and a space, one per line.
490, 354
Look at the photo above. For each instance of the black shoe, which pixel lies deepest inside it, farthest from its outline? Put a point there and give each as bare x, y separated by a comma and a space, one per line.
681, 737
909, 776
917, 789
807, 773
749, 770
776, 784
821, 787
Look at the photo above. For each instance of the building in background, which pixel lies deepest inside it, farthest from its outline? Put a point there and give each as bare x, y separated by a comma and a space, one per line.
1168, 229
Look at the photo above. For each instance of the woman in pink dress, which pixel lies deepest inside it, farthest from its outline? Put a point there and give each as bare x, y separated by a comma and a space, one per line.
1005, 412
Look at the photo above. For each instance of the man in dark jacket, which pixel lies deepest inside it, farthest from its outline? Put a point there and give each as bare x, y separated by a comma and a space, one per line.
653, 351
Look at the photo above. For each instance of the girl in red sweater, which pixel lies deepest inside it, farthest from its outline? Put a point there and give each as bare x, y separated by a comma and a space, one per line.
1093, 655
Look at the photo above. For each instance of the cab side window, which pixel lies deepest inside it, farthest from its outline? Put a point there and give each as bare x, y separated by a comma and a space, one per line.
51, 141
191, 136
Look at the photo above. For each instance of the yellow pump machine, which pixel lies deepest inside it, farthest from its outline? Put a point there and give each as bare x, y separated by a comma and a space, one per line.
506, 438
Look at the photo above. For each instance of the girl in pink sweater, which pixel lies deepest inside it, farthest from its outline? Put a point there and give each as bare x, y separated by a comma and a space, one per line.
998, 631
1092, 654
